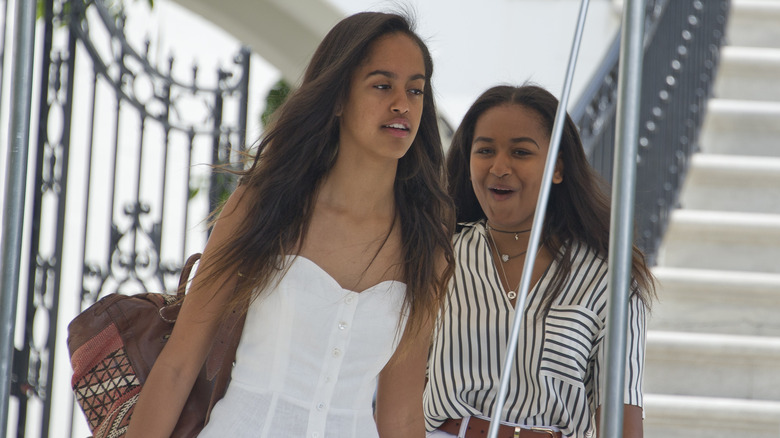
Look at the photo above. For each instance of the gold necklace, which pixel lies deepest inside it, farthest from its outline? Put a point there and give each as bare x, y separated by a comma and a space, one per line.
511, 294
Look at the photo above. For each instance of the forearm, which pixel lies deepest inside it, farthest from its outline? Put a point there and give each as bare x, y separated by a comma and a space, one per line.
404, 427
399, 408
160, 402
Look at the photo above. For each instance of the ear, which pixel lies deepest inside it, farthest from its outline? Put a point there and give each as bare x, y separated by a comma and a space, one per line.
558, 175
338, 110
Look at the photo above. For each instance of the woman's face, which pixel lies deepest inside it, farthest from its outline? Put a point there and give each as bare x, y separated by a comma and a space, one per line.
508, 155
382, 112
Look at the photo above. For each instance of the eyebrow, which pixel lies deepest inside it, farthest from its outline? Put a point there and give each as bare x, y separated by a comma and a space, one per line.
514, 140
392, 75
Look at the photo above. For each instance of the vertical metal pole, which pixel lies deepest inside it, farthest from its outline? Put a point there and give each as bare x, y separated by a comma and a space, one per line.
536, 228
622, 216
243, 88
13, 208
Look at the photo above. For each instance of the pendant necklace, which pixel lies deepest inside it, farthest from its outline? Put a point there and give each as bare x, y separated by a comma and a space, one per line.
504, 258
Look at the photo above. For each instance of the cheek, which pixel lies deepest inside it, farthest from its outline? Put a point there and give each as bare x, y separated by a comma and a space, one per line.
477, 191
476, 171
417, 116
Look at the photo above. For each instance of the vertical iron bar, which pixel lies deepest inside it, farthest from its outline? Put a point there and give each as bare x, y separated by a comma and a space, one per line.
38, 268
135, 227
163, 192
54, 291
16, 176
112, 242
622, 216
85, 210
215, 181
243, 87
536, 228
188, 172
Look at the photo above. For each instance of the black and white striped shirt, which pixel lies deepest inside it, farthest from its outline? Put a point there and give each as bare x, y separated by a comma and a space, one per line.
561, 356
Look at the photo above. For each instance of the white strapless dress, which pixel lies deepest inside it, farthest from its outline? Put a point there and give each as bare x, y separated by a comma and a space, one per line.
309, 358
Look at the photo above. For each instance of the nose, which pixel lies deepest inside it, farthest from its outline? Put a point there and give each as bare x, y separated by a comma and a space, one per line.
500, 166
400, 104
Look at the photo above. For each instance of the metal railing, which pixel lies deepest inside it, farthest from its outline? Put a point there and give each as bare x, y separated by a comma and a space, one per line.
117, 193
681, 53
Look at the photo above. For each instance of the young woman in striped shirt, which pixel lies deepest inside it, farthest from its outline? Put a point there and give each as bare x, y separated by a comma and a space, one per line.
495, 167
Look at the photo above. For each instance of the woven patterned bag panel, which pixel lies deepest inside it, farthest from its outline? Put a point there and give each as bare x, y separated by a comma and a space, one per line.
106, 391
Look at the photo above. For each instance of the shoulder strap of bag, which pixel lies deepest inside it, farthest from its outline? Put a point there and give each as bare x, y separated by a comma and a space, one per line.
184, 277
219, 363
223, 355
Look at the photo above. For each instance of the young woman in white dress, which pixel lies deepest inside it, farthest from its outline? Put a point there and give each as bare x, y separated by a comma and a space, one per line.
337, 245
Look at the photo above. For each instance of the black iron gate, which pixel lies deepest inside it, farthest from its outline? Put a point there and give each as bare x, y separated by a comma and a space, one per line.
118, 198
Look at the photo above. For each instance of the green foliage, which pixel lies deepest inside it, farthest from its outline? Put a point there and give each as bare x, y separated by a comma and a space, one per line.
275, 98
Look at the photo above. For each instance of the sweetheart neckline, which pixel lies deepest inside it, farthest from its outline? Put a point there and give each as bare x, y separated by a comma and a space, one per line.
332, 279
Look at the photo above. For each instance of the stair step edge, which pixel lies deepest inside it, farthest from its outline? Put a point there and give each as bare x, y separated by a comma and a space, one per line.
757, 7
738, 347
725, 408
766, 56
769, 166
713, 279
731, 225
743, 107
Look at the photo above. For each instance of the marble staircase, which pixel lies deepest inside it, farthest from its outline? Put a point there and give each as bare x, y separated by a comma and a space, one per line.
713, 348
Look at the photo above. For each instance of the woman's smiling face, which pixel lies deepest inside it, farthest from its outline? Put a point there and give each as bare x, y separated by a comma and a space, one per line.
508, 154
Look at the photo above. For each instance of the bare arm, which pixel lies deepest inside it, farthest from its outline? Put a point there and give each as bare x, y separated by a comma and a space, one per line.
632, 421
399, 401
179, 363
399, 409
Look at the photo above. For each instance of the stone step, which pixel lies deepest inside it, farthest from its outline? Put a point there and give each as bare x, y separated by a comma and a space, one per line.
713, 365
717, 302
732, 183
754, 23
741, 127
722, 240
748, 73
669, 416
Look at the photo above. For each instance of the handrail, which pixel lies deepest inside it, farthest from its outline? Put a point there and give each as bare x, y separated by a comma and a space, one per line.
622, 216
13, 220
681, 52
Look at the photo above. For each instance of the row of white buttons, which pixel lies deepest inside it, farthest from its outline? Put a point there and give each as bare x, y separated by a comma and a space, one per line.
335, 353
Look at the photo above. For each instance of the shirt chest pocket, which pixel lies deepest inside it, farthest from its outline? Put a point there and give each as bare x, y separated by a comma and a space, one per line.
569, 335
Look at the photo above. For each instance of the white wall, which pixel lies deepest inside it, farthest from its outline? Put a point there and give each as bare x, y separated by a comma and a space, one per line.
477, 44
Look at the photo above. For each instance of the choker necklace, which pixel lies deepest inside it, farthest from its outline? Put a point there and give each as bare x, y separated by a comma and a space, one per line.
504, 257
516, 233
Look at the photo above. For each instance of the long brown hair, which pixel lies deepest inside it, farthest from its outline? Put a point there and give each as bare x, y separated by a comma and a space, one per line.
300, 148
578, 208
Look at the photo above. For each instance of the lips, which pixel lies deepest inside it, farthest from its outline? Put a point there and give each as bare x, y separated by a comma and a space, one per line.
501, 190
399, 123
398, 128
